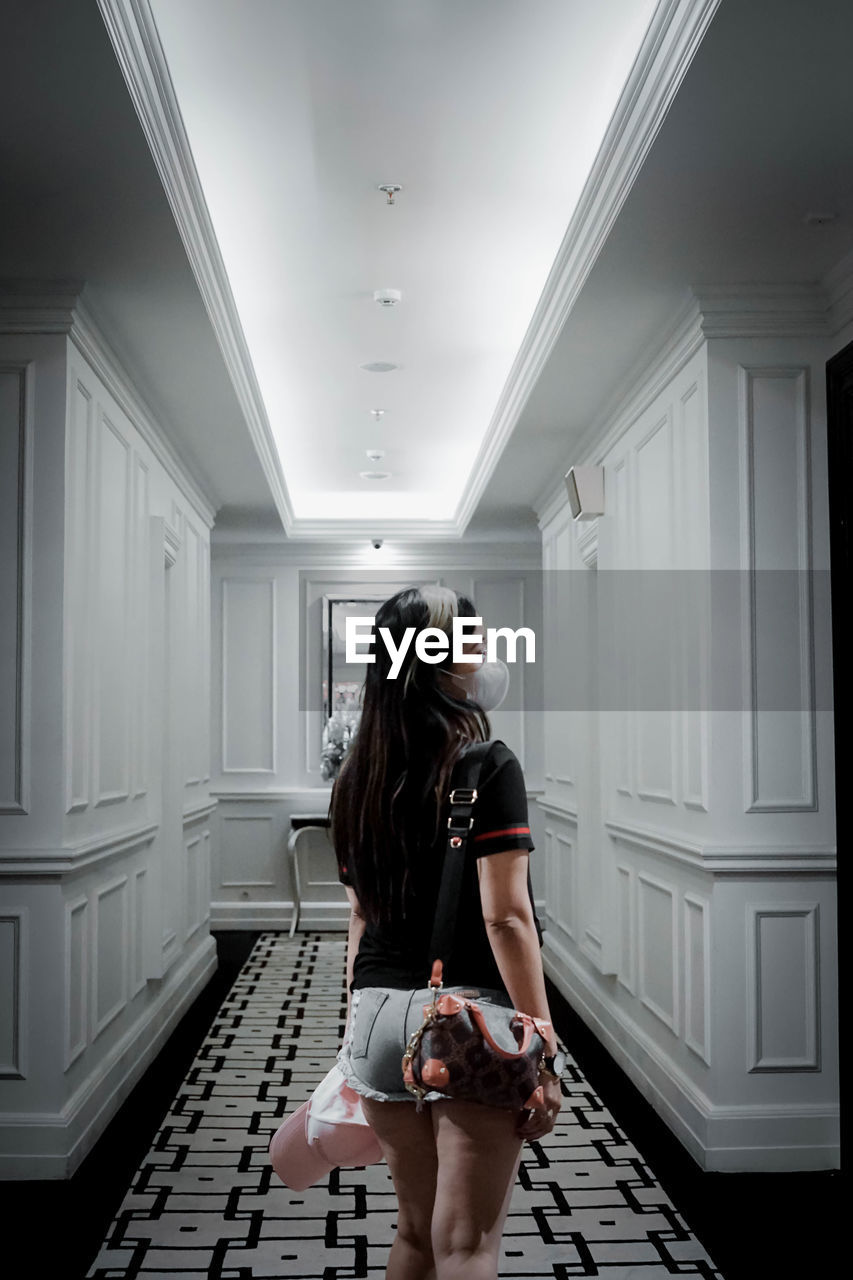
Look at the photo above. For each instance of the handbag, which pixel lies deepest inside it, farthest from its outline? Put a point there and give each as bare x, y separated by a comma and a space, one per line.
470, 1048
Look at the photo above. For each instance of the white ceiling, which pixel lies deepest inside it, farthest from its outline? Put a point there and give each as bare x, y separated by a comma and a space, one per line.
759, 134
490, 114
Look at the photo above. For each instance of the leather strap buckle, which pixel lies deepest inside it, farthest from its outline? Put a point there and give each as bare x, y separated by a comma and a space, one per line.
463, 795
453, 824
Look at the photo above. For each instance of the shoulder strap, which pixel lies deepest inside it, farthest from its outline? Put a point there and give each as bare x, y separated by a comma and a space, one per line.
463, 796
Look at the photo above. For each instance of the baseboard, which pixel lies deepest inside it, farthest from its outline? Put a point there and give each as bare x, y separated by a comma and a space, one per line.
314, 917
748, 1138
796, 1138
52, 1146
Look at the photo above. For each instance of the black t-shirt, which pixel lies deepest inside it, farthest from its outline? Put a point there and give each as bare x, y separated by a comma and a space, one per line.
397, 955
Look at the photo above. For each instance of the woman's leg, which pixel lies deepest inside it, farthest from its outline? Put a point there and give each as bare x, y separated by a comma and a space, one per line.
478, 1155
408, 1145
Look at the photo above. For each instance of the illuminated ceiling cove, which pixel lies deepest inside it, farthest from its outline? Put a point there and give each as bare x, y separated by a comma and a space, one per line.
488, 115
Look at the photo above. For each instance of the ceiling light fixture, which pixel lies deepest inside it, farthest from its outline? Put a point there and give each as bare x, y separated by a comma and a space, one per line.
379, 366
374, 475
390, 189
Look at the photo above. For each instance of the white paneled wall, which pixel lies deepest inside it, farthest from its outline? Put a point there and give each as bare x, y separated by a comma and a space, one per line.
267, 704
698, 847
104, 784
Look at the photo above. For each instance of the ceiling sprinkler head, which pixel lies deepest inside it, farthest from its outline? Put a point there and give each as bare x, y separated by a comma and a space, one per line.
387, 297
377, 413
390, 189
375, 455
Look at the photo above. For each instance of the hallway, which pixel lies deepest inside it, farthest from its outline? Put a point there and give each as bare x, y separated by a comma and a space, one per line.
547, 306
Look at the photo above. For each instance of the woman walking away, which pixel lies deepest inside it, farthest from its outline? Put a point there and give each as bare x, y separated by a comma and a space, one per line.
453, 1161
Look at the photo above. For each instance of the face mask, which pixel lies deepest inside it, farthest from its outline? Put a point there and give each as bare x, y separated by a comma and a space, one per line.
488, 685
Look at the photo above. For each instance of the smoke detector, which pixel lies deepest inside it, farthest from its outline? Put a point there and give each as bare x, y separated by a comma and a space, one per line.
387, 297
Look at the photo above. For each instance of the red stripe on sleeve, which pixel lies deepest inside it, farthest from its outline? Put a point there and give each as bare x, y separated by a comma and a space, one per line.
504, 831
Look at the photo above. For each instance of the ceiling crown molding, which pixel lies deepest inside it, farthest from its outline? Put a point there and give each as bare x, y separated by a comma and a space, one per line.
38, 306
136, 41
674, 35
762, 310
838, 286
437, 558
56, 307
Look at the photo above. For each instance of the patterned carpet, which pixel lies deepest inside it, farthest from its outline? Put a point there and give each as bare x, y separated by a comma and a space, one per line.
205, 1203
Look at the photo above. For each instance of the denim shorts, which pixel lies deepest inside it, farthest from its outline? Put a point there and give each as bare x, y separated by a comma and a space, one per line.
382, 1020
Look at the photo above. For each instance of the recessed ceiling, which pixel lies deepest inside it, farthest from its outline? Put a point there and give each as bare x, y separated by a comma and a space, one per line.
756, 139
489, 114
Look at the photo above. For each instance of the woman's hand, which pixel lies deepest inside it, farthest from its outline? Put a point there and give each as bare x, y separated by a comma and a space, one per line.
535, 1124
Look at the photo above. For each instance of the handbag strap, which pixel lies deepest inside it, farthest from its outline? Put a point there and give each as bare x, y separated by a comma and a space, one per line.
463, 796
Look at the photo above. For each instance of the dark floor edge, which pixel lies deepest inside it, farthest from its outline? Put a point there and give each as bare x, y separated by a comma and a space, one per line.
742, 1219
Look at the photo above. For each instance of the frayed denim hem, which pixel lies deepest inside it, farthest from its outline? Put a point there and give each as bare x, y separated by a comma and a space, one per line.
344, 1063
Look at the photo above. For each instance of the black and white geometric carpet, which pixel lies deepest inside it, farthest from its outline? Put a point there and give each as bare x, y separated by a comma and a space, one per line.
205, 1203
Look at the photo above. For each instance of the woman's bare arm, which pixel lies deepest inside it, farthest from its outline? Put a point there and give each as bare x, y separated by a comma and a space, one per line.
356, 929
511, 930
512, 933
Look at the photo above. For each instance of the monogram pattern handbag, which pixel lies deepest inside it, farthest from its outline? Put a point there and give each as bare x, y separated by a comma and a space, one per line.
470, 1048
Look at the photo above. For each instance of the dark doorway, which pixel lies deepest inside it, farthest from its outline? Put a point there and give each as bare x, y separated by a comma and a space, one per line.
839, 412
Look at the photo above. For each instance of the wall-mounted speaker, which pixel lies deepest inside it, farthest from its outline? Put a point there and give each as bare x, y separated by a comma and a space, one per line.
585, 487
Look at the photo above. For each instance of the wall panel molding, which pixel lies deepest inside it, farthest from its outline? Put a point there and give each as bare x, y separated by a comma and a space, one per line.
196, 624
691, 498
198, 812
626, 970
557, 807
652, 470
109, 953
775, 444
257, 852
566, 877
14, 993
657, 949
82, 854
248, 708
193, 880
111, 621
15, 585
726, 859
78, 674
77, 978
697, 976
783, 987
206, 892
139, 926
141, 696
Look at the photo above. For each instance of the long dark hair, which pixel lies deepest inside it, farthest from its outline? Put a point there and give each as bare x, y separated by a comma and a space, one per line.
387, 799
